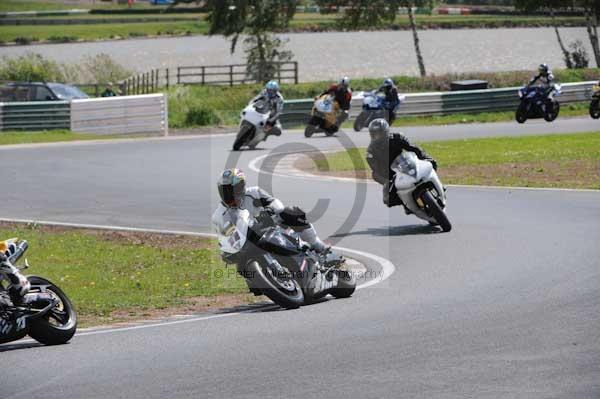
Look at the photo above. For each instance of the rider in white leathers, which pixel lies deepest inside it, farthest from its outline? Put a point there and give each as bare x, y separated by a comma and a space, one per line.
235, 195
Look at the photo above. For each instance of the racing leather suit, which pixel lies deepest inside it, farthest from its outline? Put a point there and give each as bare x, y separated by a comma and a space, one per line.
546, 81
275, 104
255, 199
391, 99
343, 96
380, 155
19, 285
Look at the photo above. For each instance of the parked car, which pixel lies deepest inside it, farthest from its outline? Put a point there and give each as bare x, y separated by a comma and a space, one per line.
39, 91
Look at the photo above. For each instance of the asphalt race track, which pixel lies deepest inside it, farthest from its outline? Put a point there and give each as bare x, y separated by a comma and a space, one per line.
506, 305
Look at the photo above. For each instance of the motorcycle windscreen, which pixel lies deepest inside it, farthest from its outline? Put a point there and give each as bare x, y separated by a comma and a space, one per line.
277, 242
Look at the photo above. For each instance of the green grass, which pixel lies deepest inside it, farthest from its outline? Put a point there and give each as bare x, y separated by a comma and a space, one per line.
17, 137
103, 274
102, 31
37, 5
569, 160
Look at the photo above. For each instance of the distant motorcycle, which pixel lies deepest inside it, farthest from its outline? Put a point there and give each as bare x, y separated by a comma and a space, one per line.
537, 103
45, 313
324, 116
595, 103
374, 106
420, 189
277, 263
253, 126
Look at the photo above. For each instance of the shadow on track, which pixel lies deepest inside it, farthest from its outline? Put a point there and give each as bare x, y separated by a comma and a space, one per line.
410, 230
17, 346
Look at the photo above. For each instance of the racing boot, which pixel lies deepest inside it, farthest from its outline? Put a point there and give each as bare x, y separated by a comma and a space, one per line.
310, 236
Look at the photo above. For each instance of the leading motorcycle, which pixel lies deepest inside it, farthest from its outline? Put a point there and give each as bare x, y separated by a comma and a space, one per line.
275, 262
420, 189
253, 125
45, 313
538, 102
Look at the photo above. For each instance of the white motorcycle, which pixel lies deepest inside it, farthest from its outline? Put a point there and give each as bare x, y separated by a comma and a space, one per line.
420, 189
253, 126
275, 262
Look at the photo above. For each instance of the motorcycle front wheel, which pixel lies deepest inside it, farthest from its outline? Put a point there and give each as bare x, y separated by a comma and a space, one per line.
346, 284
242, 136
310, 130
521, 115
360, 121
284, 291
58, 325
595, 109
550, 116
436, 211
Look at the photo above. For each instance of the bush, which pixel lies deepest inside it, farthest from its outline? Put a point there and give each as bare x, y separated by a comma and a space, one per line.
31, 67
62, 39
201, 116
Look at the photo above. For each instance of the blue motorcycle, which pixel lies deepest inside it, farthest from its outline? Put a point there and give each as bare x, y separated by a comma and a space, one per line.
375, 106
538, 102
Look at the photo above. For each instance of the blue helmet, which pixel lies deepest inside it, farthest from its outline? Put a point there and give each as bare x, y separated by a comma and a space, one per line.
272, 87
388, 82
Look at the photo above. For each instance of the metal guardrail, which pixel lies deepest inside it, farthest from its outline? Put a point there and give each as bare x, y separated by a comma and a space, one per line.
39, 115
121, 115
446, 103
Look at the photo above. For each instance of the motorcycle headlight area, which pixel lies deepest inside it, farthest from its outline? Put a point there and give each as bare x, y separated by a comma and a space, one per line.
406, 163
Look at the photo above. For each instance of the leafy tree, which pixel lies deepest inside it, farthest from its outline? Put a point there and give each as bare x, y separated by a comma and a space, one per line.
256, 19
551, 6
372, 13
591, 9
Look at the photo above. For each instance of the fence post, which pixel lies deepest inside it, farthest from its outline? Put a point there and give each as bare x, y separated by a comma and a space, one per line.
296, 72
203, 72
167, 77
230, 75
178, 75
137, 84
151, 85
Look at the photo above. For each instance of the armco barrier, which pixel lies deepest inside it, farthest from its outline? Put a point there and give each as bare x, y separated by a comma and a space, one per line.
446, 103
41, 115
121, 115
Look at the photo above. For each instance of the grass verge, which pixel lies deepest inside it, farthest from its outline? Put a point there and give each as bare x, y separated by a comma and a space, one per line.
118, 276
49, 136
561, 161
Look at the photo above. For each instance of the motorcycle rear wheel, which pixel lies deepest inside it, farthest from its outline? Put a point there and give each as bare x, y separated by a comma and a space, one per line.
59, 324
595, 109
436, 211
267, 284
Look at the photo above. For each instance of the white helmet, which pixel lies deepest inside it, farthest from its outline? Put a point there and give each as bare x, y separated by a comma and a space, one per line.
345, 81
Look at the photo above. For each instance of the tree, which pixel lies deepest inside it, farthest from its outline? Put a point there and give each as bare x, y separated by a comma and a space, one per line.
552, 6
256, 19
591, 10
372, 13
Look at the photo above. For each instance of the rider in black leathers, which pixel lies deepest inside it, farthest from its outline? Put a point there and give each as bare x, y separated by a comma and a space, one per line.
385, 146
19, 285
544, 78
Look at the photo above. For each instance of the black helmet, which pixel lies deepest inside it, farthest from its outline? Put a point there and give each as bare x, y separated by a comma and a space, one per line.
543, 69
232, 187
379, 128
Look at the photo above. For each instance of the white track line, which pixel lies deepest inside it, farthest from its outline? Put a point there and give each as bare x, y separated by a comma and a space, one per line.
300, 174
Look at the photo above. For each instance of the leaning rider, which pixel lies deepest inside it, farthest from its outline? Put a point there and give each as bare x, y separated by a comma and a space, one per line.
19, 285
342, 93
392, 101
235, 195
383, 149
274, 100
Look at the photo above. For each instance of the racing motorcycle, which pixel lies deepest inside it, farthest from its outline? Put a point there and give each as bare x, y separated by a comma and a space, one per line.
420, 189
275, 262
595, 104
253, 125
535, 103
374, 106
45, 313
323, 117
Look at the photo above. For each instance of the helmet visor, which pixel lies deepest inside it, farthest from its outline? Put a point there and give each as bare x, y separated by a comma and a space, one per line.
232, 195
